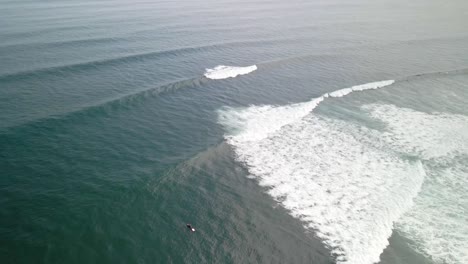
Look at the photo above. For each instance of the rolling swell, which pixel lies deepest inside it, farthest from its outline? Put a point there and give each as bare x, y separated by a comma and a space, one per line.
106, 107
126, 100
434, 74
60, 44
81, 66
65, 69
305, 58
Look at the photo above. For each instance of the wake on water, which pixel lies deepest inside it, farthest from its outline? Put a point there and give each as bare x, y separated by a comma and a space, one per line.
352, 184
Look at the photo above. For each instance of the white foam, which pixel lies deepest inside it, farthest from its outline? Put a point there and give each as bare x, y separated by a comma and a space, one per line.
257, 122
421, 134
352, 184
367, 86
348, 192
438, 224
224, 72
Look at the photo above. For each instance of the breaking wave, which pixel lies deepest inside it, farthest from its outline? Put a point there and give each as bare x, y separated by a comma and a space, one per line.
257, 122
224, 72
353, 184
437, 222
362, 87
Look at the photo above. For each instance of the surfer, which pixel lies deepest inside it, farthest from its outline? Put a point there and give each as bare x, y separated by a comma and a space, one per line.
189, 226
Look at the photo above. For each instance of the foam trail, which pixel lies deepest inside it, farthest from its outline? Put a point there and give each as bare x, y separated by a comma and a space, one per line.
367, 86
224, 72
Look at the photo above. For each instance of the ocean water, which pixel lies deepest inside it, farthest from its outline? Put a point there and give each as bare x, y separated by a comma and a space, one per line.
283, 131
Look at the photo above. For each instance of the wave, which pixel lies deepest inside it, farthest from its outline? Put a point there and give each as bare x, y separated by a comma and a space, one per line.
224, 72
353, 184
363, 87
110, 104
58, 70
348, 191
257, 122
436, 223
64, 43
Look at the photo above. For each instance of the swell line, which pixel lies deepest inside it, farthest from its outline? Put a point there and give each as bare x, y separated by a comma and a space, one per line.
63, 69
67, 43
57, 70
452, 72
109, 105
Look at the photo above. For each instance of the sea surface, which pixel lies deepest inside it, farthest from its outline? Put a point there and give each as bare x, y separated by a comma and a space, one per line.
283, 131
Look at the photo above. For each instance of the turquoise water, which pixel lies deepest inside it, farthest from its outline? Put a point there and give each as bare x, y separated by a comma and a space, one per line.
112, 138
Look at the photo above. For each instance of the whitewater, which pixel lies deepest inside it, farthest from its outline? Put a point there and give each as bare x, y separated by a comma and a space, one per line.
223, 72
352, 184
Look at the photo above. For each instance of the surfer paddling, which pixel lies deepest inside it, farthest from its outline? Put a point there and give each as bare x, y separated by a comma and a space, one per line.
189, 226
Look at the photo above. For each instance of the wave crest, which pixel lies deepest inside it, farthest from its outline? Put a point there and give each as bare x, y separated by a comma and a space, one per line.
257, 122
224, 72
